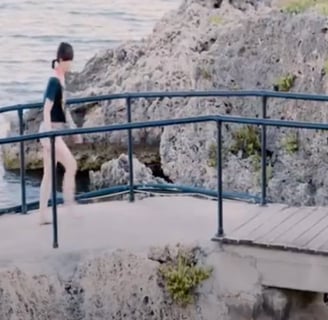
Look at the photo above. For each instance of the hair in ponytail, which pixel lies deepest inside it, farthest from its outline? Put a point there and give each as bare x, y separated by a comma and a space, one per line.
64, 52
53, 63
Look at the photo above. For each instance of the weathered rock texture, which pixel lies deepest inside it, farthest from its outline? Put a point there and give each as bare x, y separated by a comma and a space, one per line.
215, 45
116, 172
122, 285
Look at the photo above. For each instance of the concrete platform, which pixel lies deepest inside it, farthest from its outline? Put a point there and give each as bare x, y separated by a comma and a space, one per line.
117, 224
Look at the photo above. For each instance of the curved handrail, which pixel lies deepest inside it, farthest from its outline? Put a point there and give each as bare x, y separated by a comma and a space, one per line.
165, 123
177, 94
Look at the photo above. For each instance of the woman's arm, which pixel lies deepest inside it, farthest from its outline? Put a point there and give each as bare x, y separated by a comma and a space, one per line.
77, 138
69, 119
50, 95
46, 113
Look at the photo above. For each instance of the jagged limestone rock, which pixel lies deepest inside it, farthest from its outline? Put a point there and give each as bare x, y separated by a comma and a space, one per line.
116, 172
123, 285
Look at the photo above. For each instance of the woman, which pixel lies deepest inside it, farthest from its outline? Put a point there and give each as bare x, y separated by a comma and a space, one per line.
55, 117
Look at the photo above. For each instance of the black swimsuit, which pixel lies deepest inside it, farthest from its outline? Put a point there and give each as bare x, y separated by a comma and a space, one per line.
54, 92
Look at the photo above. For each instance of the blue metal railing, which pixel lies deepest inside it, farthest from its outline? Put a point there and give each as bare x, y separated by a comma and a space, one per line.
139, 125
149, 95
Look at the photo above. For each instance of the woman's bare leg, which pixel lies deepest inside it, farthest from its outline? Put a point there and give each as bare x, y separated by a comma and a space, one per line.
45, 188
65, 157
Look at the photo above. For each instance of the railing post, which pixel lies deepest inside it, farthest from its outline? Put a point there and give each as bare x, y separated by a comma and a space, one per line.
22, 162
54, 189
263, 152
220, 231
130, 151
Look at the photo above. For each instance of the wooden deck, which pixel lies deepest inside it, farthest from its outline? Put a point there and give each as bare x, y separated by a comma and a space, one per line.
303, 229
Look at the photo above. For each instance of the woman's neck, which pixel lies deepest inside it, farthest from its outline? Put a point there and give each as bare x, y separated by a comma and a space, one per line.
60, 74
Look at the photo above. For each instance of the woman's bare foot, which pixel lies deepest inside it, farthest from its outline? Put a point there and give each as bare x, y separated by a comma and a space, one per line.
44, 221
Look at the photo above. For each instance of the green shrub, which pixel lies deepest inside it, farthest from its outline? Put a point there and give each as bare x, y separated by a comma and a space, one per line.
285, 83
299, 6
325, 68
206, 74
216, 20
290, 143
256, 162
322, 8
212, 156
247, 139
182, 277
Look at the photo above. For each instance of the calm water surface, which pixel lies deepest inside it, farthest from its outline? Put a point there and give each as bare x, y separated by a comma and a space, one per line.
30, 33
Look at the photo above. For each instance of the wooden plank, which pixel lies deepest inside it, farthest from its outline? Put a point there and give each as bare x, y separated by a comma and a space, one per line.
243, 231
254, 225
324, 246
316, 236
274, 224
298, 227
295, 232
291, 220
239, 228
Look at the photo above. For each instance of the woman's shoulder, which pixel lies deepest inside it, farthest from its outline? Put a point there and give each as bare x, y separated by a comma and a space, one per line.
53, 87
53, 80
54, 83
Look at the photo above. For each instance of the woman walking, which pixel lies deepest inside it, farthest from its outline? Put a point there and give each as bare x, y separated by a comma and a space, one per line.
56, 117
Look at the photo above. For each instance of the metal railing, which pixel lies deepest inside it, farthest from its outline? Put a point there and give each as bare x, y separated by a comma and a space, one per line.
219, 120
265, 95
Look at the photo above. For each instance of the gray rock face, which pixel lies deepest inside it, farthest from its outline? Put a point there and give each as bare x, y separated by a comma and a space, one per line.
121, 285
231, 45
116, 172
253, 54
116, 286
215, 45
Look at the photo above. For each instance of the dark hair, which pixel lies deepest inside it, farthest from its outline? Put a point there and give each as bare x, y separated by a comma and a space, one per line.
64, 52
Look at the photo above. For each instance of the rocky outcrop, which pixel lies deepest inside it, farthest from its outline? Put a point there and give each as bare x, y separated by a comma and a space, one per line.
116, 286
116, 172
215, 45
122, 285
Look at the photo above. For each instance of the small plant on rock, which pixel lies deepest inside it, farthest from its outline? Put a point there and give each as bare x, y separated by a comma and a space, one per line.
182, 277
212, 160
216, 20
290, 143
300, 6
247, 140
324, 71
206, 74
285, 83
212, 156
256, 161
322, 8
297, 6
